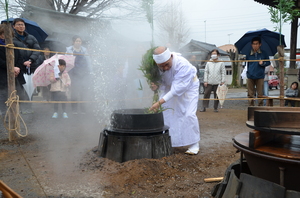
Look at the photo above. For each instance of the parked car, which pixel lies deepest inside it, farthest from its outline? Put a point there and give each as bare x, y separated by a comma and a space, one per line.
201, 80
273, 81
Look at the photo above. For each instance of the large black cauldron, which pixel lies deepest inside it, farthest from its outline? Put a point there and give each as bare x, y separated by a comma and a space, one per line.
134, 134
136, 120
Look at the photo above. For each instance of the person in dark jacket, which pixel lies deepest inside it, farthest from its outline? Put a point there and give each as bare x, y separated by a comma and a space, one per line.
31, 59
256, 71
3, 70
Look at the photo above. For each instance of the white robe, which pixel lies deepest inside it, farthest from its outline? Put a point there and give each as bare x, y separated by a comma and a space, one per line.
180, 89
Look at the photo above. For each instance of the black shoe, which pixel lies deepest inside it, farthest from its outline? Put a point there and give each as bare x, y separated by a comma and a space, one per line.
216, 110
202, 110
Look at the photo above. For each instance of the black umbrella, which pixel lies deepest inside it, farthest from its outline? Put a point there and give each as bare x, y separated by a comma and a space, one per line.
32, 28
269, 41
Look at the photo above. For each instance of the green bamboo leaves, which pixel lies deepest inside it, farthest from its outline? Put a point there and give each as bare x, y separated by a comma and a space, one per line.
284, 12
149, 67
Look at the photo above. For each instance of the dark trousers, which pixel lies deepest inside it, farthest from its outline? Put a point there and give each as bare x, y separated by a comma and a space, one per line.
59, 96
207, 93
23, 96
286, 103
21, 92
78, 93
3, 99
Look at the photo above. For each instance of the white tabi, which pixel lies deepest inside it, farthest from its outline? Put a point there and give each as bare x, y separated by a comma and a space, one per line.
180, 89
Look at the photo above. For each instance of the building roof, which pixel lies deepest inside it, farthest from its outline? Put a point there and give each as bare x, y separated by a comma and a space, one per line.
227, 47
61, 27
198, 46
274, 3
201, 50
267, 2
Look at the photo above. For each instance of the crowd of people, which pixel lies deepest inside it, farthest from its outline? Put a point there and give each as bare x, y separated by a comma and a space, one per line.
27, 61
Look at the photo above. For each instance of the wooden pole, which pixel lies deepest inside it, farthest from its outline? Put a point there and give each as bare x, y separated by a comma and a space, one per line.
7, 191
293, 48
214, 179
281, 73
10, 62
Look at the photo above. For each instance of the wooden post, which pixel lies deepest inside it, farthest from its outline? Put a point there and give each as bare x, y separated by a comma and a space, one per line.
281, 73
10, 62
293, 48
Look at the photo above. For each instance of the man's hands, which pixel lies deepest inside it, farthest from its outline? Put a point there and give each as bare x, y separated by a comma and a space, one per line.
17, 71
156, 105
27, 63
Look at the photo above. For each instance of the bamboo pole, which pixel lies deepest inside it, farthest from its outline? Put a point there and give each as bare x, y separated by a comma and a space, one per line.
281, 73
7, 191
10, 62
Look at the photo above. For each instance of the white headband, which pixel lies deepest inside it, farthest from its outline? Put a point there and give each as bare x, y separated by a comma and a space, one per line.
163, 57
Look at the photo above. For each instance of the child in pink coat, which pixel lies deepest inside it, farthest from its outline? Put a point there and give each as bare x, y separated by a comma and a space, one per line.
59, 86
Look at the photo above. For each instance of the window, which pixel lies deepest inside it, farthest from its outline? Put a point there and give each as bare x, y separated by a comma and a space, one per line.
229, 72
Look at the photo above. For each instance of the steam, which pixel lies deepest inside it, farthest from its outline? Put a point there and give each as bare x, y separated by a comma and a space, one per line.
118, 84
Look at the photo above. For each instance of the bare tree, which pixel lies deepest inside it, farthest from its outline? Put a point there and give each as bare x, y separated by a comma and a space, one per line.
12, 9
110, 9
88, 8
172, 24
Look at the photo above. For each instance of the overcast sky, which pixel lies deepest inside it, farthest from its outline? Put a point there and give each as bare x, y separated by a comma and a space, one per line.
217, 22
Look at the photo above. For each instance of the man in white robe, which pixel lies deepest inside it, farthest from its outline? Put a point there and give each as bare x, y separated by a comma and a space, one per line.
179, 91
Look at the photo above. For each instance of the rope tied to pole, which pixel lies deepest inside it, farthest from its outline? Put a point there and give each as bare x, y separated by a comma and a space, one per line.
281, 59
10, 45
14, 98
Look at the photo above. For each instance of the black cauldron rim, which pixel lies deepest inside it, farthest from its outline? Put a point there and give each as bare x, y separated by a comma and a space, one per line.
136, 131
136, 120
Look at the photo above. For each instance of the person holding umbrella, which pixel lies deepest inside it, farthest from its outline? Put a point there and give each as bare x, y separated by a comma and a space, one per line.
31, 59
59, 85
214, 75
256, 71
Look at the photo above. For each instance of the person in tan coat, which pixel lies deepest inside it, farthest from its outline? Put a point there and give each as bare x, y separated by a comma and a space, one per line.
59, 86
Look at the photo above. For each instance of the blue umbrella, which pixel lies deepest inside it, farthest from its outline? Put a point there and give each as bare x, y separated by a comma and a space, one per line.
269, 41
32, 28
